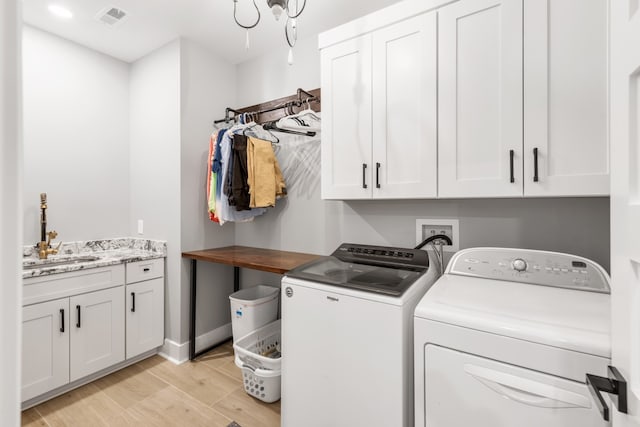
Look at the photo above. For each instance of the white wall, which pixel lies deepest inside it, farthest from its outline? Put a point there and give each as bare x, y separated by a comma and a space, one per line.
305, 223
154, 167
269, 76
76, 139
10, 214
208, 86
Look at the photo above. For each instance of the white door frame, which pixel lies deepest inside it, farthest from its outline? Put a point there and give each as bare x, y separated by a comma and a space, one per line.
625, 202
10, 214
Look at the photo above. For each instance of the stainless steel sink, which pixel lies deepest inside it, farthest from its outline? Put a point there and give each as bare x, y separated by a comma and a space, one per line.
57, 262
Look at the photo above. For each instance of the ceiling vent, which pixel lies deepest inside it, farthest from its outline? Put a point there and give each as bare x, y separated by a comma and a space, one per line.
112, 16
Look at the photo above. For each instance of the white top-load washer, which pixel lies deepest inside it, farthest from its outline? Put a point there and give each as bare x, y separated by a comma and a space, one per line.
347, 337
505, 337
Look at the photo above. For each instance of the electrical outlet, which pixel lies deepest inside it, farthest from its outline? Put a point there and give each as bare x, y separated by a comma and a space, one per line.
431, 227
140, 226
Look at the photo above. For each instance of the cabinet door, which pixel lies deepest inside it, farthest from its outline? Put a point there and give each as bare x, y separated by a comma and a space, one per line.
480, 99
45, 347
97, 331
405, 109
145, 316
565, 98
346, 119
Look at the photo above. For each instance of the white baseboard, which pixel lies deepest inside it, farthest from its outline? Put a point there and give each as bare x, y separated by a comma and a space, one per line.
179, 353
174, 352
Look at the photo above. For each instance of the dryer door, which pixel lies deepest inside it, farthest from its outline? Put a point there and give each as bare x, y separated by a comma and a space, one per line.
465, 390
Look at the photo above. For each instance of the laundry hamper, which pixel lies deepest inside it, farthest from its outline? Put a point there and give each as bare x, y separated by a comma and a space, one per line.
253, 308
258, 355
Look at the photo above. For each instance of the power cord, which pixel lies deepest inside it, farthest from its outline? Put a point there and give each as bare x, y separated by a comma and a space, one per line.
436, 242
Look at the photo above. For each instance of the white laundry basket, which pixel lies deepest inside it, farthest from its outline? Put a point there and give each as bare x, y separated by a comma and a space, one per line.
253, 308
258, 355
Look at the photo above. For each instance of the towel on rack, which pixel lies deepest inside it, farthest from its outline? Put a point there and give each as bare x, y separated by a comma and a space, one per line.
264, 175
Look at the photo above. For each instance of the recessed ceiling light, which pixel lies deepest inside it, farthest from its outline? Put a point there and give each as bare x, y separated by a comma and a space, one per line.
60, 11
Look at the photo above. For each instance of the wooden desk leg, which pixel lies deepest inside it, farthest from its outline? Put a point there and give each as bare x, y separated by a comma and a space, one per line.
236, 279
192, 323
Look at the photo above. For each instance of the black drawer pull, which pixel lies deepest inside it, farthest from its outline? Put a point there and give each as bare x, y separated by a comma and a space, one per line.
62, 320
133, 302
146, 269
364, 172
535, 164
511, 154
78, 313
377, 175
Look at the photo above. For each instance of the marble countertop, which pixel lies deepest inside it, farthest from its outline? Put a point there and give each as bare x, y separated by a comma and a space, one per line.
74, 256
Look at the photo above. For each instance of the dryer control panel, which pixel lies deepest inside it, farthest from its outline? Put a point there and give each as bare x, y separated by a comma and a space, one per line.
531, 266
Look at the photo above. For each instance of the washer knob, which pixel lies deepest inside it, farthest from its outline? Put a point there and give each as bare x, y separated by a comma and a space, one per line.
519, 264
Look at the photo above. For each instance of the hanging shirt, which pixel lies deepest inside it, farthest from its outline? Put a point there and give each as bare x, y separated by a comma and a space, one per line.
265, 180
216, 167
211, 179
239, 186
224, 211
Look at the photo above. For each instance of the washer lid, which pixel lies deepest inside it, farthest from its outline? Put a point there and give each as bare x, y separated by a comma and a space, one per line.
559, 317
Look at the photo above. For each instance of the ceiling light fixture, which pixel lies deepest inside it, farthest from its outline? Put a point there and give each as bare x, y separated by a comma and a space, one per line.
60, 11
278, 7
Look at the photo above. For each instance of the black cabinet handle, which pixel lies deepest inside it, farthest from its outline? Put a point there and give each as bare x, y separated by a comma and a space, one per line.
146, 269
535, 164
614, 384
78, 313
377, 175
511, 154
62, 320
133, 302
364, 171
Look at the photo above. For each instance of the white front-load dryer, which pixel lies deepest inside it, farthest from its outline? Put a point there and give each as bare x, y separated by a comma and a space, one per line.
506, 337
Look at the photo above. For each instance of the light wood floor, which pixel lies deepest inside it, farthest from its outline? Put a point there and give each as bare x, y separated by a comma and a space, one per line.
155, 392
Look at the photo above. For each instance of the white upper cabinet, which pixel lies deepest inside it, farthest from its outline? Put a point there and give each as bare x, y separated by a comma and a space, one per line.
565, 98
467, 98
346, 120
405, 109
480, 99
379, 130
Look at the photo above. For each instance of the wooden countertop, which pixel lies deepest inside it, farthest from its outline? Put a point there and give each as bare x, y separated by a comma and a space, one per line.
270, 260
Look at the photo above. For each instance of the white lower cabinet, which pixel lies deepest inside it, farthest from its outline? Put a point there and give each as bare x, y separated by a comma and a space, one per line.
145, 316
79, 323
97, 332
45, 347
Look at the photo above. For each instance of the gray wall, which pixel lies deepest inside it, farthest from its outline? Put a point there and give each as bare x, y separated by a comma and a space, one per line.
155, 165
207, 87
76, 139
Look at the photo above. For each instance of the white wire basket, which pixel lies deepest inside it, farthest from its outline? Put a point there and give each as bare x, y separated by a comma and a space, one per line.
261, 348
258, 355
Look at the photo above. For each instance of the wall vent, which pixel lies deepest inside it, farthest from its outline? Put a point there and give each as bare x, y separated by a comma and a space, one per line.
112, 16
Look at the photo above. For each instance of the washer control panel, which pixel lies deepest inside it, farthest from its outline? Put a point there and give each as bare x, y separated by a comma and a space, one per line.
532, 267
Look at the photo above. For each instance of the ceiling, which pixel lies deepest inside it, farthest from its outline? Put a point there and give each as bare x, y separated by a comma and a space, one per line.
153, 23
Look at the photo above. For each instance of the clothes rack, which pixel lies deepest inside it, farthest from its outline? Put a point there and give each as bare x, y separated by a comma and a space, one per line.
276, 109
